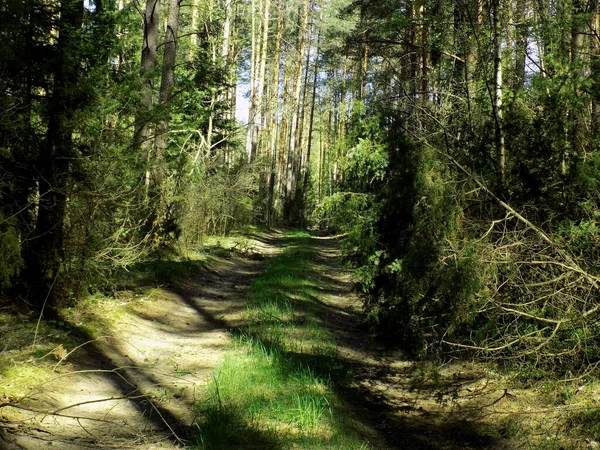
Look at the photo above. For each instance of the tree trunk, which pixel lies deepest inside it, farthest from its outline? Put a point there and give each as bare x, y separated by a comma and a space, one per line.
254, 61
302, 109
259, 116
521, 35
292, 168
577, 126
272, 115
45, 253
307, 170
142, 135
167, 83
497, 107
424, 53
595, 69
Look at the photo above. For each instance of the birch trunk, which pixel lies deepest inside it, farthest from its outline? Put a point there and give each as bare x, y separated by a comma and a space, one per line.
499, 88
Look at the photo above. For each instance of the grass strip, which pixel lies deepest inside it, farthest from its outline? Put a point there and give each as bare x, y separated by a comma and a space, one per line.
275, 388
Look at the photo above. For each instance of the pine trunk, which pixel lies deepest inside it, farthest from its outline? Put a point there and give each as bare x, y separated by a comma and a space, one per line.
167, 83
142, 136
43, 259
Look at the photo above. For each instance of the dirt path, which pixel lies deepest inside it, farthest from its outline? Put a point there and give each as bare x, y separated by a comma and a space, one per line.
412, 406
136, 387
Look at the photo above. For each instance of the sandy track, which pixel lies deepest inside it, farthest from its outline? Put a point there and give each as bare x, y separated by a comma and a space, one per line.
136, 389
137, 386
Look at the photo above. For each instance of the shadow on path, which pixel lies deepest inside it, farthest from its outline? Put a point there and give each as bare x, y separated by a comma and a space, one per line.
137, 388
386, 394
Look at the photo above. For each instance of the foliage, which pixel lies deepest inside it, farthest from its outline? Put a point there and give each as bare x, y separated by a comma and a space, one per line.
426, 275
354, 209
216, 199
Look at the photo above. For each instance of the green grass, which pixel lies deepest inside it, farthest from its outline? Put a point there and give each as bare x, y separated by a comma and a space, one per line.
276, 386
27, 357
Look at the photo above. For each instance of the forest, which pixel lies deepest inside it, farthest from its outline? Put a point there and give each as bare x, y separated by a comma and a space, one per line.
447, 152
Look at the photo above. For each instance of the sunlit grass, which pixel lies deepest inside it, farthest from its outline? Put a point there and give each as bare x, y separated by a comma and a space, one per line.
29, 352
276, 386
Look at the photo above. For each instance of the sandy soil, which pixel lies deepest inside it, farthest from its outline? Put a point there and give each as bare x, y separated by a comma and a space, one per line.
136, 388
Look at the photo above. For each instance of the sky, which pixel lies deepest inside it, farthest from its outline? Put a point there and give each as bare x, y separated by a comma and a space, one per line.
242, 104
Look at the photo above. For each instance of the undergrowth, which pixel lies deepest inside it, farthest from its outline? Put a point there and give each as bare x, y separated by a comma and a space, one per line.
276, 386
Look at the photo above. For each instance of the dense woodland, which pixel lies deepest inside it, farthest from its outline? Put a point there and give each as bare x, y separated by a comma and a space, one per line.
454, 144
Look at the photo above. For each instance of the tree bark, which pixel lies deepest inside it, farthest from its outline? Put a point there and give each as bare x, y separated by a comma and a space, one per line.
254, 61
595, 69
497, 107
259, 115
142, 136
273, 127
577, 126
167, 83
292, 168
43, 260
307, 170
520, 42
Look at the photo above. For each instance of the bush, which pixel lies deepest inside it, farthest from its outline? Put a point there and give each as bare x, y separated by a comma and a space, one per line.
428, 273
217, 199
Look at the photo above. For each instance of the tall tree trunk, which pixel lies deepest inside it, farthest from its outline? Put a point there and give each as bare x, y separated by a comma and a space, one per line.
167, 83
302, 109
283, 142
499, 88
340, 129
195, 13
307, 170
363, 59
254, 61
46, 250
272, 114
595, 70
413, 68
521, 35
259, 115
229, 68
423, 44
292, 166
577, 126
142, 135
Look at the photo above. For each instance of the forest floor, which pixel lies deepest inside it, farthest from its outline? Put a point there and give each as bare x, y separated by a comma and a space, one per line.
128, 372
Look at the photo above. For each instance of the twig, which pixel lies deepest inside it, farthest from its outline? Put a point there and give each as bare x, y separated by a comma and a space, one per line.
37, 326
76, 348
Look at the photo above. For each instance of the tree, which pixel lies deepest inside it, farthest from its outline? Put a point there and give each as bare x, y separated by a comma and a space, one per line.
43, 258
142, 136
165, 94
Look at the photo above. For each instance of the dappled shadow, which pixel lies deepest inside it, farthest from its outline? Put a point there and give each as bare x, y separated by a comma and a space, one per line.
413, 406
185, 327
139, 384
362, 374
219, 293
224, 428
